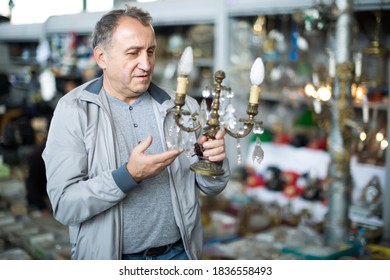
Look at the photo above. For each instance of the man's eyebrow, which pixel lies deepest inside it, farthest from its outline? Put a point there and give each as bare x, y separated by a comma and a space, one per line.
140, 48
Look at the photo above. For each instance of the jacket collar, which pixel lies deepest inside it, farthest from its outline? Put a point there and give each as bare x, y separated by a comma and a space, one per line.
156, 92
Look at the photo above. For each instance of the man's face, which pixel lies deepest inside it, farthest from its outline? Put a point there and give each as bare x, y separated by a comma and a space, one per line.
129, 60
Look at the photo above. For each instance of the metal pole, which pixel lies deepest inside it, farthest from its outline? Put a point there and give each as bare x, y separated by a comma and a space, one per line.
339, 177
386, 203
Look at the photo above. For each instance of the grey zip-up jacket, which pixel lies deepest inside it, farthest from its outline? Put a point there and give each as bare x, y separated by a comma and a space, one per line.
86, 182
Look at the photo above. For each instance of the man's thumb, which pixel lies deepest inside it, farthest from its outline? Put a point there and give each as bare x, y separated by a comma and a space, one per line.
144, 145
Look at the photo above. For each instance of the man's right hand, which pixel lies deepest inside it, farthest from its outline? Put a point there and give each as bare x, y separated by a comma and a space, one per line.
142, 166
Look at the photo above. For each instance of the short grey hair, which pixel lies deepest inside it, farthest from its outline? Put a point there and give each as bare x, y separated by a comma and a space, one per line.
106, 26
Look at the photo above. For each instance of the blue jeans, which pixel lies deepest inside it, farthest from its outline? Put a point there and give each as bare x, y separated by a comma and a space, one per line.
177, 252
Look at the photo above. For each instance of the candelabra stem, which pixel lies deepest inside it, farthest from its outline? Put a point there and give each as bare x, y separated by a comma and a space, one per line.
204, 166
213, 122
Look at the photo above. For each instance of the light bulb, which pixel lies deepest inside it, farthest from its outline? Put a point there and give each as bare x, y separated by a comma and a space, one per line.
379, 136
359, 92
257, 77
186, 62
310, 90
384, 144
257, 72
363, 136
324, 93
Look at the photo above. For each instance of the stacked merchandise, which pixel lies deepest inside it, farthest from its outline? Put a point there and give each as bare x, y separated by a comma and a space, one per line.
24, 234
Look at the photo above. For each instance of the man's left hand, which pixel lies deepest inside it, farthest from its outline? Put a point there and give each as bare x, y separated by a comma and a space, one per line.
214, 150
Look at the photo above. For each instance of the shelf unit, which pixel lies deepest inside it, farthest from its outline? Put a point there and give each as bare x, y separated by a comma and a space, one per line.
242, 8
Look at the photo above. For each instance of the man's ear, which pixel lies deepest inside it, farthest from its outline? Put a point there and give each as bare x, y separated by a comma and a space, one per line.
100, 57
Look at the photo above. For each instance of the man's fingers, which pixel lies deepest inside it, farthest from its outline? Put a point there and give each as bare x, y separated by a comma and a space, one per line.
213, 143
202, 139
165, 157
144, 145
220, 134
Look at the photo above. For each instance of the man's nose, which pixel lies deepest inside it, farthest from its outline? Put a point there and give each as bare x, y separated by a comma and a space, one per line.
145, 62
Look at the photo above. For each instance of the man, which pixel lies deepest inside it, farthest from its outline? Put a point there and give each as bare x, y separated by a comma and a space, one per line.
110, 175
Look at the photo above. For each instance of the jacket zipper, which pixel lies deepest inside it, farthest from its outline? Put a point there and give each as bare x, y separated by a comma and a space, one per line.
104, 109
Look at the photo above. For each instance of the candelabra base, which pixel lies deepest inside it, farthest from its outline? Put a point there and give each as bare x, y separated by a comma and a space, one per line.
207, 168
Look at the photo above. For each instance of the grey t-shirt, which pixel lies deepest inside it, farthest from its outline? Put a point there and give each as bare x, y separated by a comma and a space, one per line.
148, 214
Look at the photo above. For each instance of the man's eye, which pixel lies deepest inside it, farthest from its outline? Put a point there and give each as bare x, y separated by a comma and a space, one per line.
132, 52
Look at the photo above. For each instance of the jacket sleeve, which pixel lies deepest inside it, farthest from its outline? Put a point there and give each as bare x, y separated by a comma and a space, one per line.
74, 193
213, 185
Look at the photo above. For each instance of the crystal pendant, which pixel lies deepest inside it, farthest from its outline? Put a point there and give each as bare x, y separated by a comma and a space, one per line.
222, 106
258, 152
173, 133
177, 138
229, 118
239, 158
242, 129
188, 139
203, 113
229, 94
258, 129
206, 93
188, 142
225, 101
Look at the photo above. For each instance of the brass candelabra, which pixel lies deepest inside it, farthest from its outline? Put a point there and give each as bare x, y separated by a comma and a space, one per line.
213, 124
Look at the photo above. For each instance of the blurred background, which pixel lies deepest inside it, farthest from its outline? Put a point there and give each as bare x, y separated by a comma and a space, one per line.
320, 192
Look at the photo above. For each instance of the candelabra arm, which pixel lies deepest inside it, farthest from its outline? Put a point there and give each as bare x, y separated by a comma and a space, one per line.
182, 127
179, 103
252, 111
248, 129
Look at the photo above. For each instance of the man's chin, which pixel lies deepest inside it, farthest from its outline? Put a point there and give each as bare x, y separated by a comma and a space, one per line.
143, 87
139, 92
